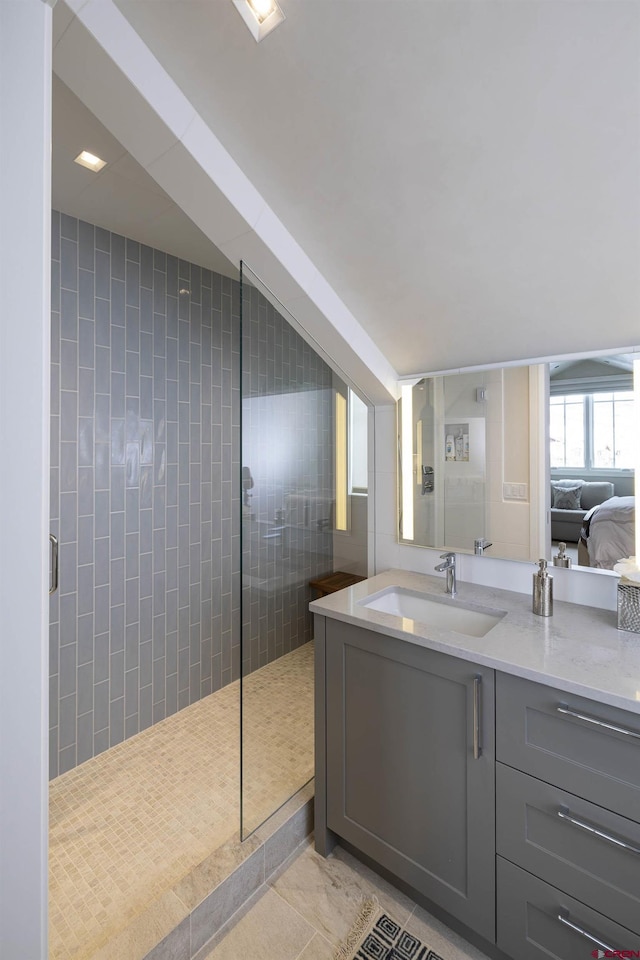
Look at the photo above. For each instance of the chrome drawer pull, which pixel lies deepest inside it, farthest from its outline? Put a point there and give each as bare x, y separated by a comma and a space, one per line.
477, 746
564, 814
563, 708
564, 919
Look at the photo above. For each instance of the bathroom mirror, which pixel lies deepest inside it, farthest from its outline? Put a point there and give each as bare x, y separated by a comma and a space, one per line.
483, 455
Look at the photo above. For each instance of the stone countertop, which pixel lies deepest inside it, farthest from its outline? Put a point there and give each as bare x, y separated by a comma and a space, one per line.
578, 649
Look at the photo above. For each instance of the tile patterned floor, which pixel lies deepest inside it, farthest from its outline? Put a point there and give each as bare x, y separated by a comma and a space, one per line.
308, 907
277, 733
129, 824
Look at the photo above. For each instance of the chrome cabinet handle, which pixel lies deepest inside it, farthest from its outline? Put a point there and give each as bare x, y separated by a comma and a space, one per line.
564, 814
564, 919
567, 711
53, 583
477, 712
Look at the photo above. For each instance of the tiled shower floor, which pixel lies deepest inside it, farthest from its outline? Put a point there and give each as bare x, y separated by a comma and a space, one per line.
127, 825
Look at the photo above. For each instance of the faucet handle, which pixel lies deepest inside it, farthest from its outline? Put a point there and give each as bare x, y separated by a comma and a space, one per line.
480, 545
447, 556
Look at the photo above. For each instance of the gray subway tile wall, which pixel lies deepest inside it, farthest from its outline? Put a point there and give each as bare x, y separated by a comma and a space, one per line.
145, 404
145, 468
287, 449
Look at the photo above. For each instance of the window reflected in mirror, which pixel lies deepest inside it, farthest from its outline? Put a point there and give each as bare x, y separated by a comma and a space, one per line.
592, 451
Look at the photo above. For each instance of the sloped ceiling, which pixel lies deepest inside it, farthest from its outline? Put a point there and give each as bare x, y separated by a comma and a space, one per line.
593, 368
464, 173
122, 197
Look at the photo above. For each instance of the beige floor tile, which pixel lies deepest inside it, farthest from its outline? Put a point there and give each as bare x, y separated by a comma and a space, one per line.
329, 892
146, 931
318, 949
277, 733
271, 930
440, 938
129, 825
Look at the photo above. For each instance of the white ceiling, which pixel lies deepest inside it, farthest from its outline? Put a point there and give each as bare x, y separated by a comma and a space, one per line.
464, 173
123, 197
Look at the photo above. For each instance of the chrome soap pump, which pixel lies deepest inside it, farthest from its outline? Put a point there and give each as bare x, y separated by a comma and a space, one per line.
542, 591
561, 559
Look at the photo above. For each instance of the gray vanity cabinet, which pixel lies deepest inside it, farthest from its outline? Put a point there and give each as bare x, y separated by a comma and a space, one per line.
568, 823
410, 777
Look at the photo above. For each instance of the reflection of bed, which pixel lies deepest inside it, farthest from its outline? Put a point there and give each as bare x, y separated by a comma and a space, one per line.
566, 521
608, 533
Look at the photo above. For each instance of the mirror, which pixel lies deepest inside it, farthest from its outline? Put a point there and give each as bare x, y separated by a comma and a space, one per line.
507, 462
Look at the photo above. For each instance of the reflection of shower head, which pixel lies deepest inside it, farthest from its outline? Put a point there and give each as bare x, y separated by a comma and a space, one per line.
247, 484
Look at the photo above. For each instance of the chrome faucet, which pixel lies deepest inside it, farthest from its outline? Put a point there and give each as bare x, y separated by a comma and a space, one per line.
450, 566
480, 545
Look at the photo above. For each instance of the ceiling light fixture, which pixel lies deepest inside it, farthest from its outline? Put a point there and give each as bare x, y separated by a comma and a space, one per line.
90, 161
261, 16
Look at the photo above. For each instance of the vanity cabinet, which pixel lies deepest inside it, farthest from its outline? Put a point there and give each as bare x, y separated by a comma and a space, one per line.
409, 775
536, 847
567, 823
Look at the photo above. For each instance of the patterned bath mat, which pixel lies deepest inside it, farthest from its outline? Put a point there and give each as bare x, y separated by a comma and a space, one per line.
377, 936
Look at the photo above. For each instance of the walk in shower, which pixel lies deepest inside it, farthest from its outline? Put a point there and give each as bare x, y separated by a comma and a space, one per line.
192, 493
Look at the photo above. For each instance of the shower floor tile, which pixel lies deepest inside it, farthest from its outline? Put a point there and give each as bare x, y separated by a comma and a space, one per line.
127, 825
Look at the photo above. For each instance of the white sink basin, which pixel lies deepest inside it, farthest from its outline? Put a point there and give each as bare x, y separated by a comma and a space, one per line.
434, 611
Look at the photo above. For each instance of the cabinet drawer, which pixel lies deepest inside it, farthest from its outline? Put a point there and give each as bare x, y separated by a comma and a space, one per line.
592, 751
530, 928
551, 834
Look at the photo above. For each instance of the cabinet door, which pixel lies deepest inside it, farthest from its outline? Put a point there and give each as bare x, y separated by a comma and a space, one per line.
403, 785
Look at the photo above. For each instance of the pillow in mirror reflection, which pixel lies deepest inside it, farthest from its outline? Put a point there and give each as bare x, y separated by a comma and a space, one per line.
566, 494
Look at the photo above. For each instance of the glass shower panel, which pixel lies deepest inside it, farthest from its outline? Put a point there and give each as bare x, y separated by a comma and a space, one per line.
288, 506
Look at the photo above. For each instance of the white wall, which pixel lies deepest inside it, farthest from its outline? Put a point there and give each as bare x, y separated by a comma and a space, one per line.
384, 530
25, 134
508, 520
350, 546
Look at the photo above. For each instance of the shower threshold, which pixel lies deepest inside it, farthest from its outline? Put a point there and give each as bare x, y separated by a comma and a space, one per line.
183, 921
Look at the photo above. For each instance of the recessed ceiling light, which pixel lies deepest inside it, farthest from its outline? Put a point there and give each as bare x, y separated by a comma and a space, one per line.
261, 8
261, 16
90, 161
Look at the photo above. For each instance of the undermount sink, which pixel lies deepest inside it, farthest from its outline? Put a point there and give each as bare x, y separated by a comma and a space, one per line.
434, 611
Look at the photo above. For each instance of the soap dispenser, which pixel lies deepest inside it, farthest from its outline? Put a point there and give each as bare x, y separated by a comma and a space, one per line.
561, 559
542, 591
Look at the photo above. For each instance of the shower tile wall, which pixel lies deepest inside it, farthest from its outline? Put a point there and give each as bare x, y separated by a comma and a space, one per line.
145, 404
287, 444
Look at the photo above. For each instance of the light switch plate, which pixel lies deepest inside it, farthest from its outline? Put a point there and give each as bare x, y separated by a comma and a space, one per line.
515, 491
